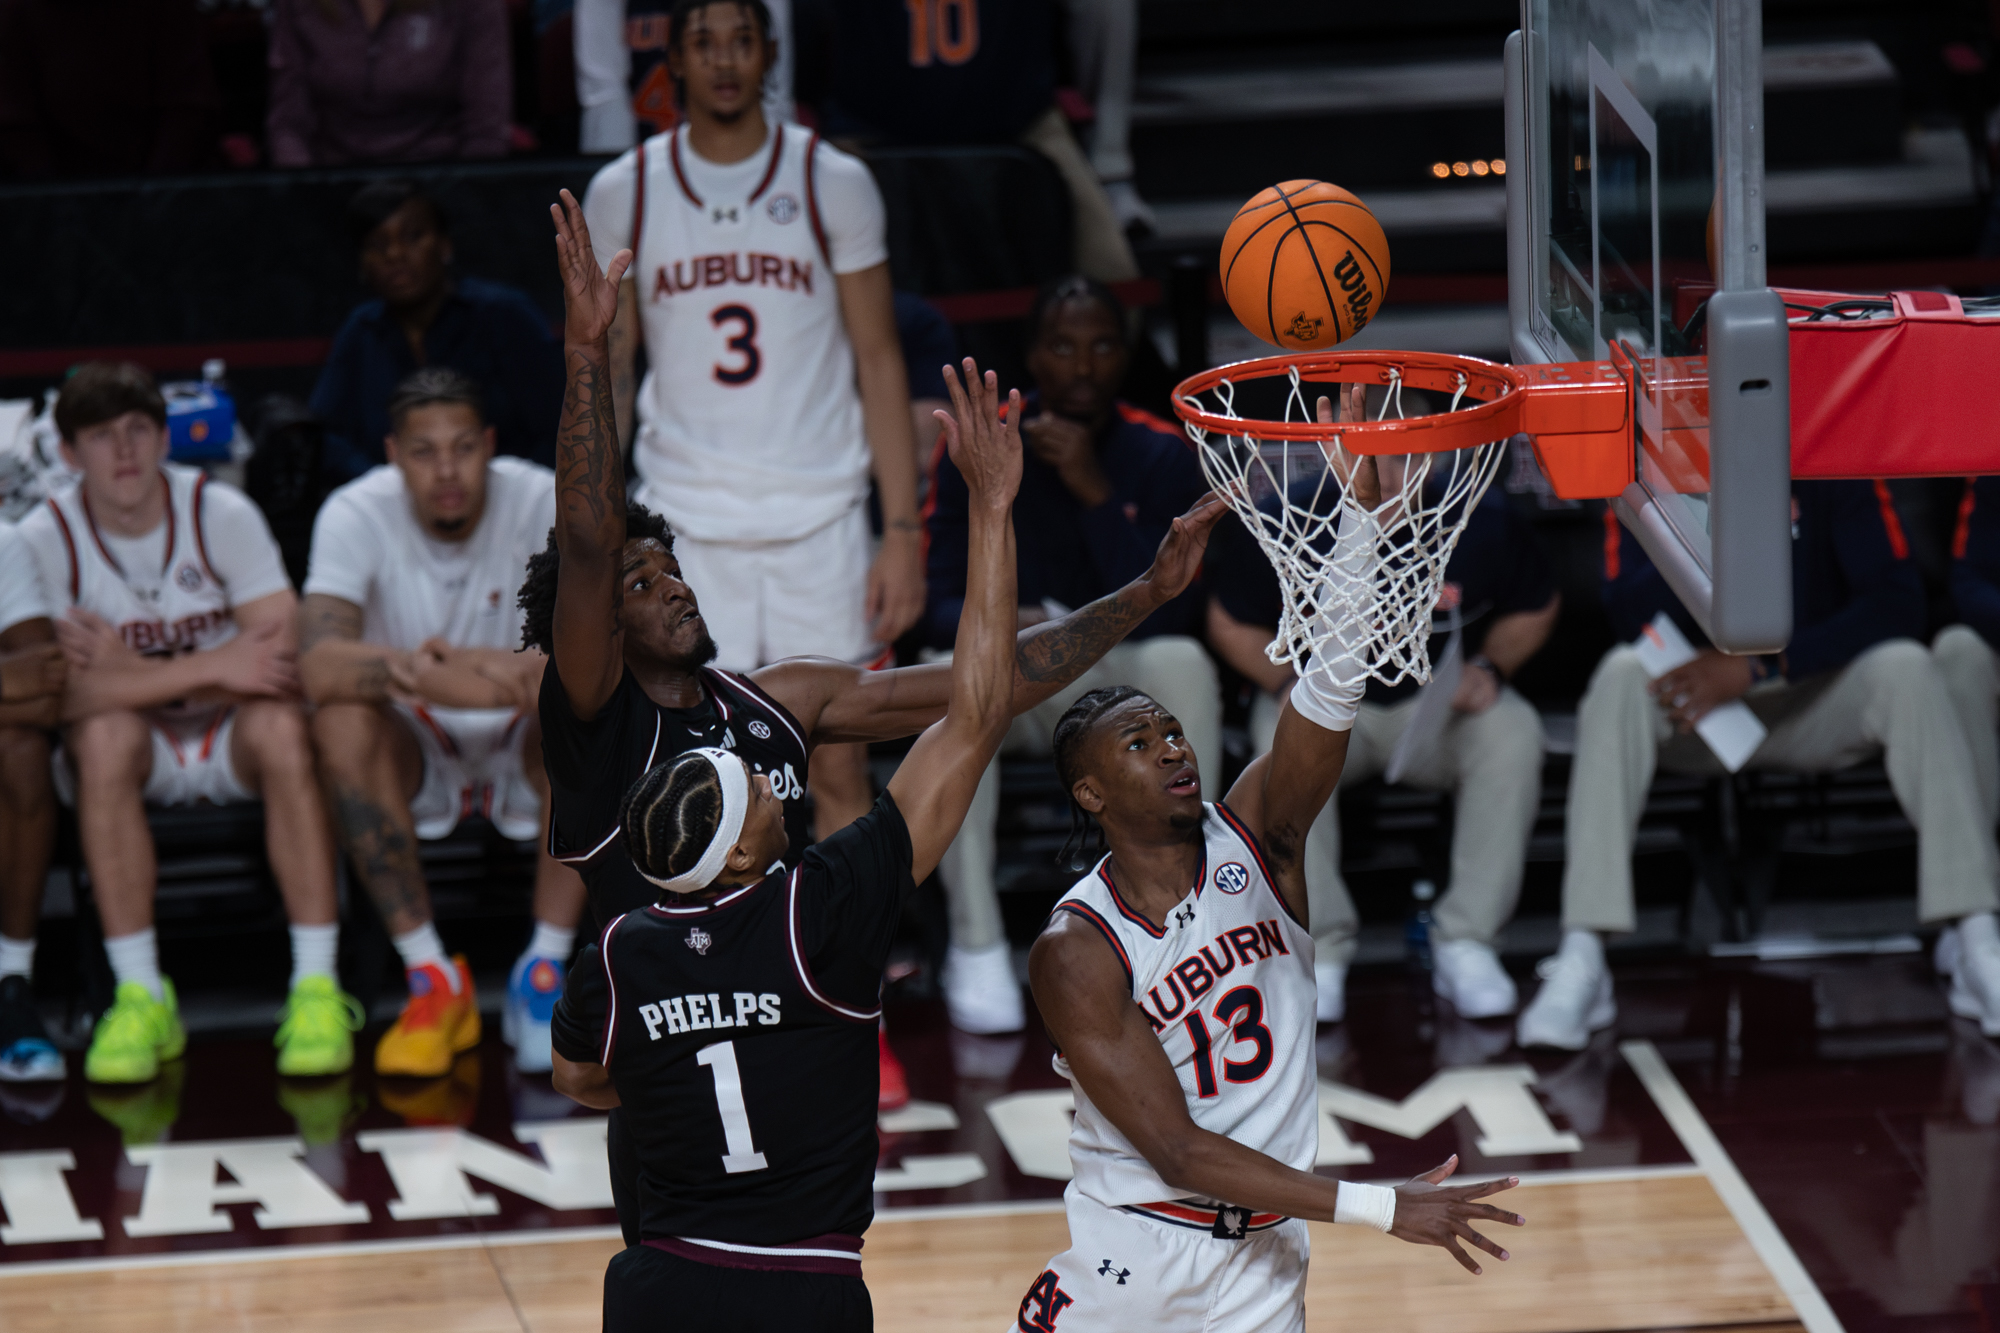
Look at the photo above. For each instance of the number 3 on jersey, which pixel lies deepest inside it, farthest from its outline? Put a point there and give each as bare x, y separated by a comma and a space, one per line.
744, 344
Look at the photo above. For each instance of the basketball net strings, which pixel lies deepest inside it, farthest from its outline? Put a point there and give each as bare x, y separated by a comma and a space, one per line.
1377, 611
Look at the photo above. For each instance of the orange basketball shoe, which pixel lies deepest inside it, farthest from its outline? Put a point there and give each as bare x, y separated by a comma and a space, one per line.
434, 1026
895, 1091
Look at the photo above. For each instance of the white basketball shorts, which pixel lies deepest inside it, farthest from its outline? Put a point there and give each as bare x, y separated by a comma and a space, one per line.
765, 601
190, 762
472, 765
1164, 1270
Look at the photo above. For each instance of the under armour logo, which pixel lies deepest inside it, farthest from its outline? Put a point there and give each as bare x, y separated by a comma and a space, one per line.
1231, 1223
699, 941
722, 215
1185, 915
1109, 1271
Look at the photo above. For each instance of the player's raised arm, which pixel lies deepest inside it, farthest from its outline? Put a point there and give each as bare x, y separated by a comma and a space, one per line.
590, 472
934, 786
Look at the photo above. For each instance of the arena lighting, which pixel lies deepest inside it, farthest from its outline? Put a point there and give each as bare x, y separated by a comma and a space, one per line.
1460, 169
1479, 168
1499, 166
1440, 170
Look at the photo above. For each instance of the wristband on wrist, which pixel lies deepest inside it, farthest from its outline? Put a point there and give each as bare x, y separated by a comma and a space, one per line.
1365, 1205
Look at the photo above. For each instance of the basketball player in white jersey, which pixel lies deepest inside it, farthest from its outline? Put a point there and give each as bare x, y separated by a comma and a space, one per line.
425, 707
1176, 980
760, 288
178, 625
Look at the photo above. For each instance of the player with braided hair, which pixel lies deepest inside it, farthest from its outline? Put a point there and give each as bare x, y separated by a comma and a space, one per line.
732, 1022
1176, 981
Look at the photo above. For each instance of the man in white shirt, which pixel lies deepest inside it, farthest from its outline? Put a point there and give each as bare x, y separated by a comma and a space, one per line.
31, 681
760, 287
179, 630
426, 705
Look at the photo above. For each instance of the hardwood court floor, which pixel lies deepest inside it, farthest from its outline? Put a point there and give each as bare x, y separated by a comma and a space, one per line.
1653, 1253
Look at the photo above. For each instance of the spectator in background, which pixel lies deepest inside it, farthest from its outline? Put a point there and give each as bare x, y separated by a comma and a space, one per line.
426, 706
179, 629
1100, 487
104, 88
1965, 658
424, 316
31, 681
1499, 595
623, 84
917, 72
929, 345
1851, 684
360, 81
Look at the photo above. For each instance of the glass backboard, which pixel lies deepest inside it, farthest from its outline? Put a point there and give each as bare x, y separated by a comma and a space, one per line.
1638, 125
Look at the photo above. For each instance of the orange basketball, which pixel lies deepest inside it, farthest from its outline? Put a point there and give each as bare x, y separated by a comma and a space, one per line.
1304, 265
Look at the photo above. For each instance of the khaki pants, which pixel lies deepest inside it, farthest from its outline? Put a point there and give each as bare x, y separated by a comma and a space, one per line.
1891, 701
1492, 760
1100, 247
1175, 670
1969, 672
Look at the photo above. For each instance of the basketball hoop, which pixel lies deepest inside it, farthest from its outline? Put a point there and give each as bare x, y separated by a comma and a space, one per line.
1287, 480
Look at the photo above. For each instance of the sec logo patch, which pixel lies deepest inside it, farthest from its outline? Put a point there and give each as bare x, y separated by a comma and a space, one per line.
188, 577
783, 208
760, 729
1232, 877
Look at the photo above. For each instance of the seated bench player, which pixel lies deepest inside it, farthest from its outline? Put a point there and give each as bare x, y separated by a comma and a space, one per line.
179, 628
1499, 589
31, 683
426, 707
1852, 683
1101, 485
1965, 658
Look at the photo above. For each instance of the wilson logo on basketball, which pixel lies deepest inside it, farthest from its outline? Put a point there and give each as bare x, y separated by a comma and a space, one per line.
1305, 327
1348, 274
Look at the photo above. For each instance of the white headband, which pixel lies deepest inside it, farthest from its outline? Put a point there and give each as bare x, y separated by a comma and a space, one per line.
735, 805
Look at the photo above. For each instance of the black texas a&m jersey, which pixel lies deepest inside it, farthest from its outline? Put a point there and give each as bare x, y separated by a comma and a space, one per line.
740, 1035
591, 765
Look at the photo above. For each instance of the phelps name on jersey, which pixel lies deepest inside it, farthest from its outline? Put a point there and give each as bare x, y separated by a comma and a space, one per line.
740, 1035
591, 765
1228, 988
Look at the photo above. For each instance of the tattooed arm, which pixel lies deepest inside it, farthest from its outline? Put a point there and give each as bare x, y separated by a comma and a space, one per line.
590, 473
839, 702
335, 666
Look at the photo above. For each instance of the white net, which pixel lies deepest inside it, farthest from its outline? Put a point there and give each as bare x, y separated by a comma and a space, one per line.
1293, 497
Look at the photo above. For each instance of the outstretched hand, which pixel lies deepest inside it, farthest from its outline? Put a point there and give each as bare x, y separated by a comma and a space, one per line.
1430, 1212
590, 294
1179, 557
985, 448
1359, 474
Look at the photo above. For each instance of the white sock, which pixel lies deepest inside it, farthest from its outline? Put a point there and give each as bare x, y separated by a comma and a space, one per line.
1586, 943
551, 942
1978, 928
136, 957
17, 957
421, 946
313, 951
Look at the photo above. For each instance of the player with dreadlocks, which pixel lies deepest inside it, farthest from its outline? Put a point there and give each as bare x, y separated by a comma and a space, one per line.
628, 684
731, 1021
1176, 981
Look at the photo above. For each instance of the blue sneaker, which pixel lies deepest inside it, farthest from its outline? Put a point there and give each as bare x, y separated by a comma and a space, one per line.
26, 1053
532, 991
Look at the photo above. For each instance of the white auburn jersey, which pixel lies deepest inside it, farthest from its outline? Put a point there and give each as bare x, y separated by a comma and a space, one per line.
749, 416
1228, 987
183, 607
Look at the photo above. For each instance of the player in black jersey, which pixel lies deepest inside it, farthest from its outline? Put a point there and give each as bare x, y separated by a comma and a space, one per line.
628, 685
733, 1020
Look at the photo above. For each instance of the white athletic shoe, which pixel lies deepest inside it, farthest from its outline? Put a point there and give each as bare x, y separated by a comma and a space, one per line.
1332, 982
1468, 975
1945, 956
981, 992
1575, 998
1130, 210
1975, 980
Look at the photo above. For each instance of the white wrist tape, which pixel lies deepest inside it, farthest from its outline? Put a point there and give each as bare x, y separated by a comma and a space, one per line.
1331, 684
1365, 1205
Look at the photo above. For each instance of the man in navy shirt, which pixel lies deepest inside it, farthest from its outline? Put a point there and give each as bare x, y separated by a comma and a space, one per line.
1100, 487
1966, 660
423, 316
1499, 594
1854, 682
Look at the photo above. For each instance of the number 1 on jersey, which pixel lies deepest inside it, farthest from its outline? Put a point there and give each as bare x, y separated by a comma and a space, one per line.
742, 1155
